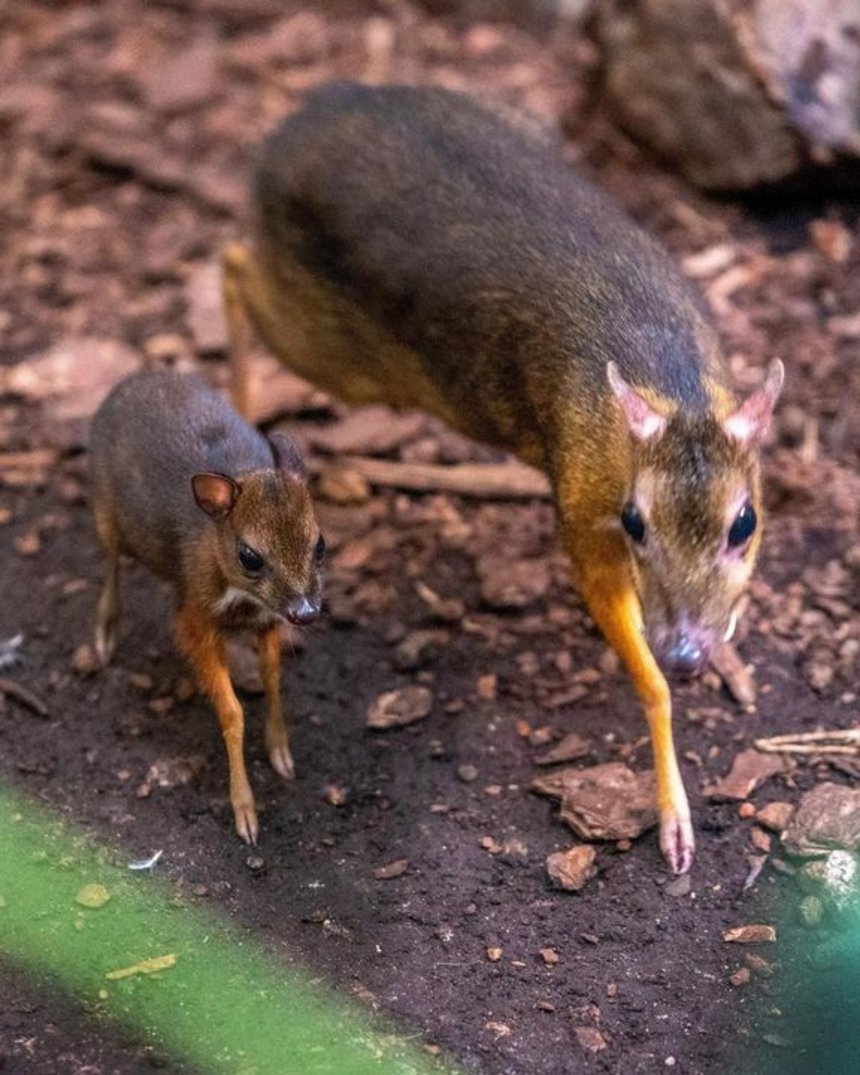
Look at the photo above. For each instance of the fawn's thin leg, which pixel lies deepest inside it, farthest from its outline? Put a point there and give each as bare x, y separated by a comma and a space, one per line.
201, 642
277, 732
235, 261
603, 577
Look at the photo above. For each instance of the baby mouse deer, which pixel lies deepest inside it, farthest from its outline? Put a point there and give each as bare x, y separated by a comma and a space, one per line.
413, 248
184, 485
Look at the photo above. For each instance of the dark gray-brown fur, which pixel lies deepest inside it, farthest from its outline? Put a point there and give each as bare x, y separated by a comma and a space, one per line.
153, 433
475, 245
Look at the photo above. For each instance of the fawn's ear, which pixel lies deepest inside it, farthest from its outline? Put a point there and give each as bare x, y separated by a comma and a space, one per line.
286, 454
751, 420
642, 420
215, 494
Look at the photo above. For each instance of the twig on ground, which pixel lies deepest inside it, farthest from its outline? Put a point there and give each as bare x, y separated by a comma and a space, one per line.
491, 481
839, 741
23, 695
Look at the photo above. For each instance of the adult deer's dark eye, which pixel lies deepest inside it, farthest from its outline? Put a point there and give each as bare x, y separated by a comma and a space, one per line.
319, 551
250, 559
743, 528
633, 522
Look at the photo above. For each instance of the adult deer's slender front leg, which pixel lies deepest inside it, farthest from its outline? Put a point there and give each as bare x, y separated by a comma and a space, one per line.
604, 581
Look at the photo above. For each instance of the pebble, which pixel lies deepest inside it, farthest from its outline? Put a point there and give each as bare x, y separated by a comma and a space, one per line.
84, 661
570, 870
467, 773
754, 934
255, 863
679, 886
391, 870
811, 911
393, 709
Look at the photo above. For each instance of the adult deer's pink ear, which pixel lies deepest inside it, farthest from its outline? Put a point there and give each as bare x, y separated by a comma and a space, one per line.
215, 494
642, 420
751, 420
286, 454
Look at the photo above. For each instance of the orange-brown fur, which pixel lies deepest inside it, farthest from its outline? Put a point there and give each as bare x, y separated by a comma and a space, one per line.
410, 247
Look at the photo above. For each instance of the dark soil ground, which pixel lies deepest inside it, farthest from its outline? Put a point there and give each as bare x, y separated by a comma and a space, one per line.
126, 137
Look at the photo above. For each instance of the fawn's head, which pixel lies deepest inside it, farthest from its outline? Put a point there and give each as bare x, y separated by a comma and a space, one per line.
267, 544
692, 516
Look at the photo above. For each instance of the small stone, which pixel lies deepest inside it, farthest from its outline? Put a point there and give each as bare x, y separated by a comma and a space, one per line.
394, 709
746, 810
590, 1038
740, 977
467, 773
612, 990
511, 584
501, 1030
775, 816
603, 802
84, 661
28, 544
540, 736
92, 896
749, 769
491, 844
419, 647
335, 794
679, 886
828, 817
255, 863
570, 870
811, 911
760, 840
161, 706
494, 954
758, 964
392, 870
545, 1006
141, 681
754, 934
487, 687
550, 957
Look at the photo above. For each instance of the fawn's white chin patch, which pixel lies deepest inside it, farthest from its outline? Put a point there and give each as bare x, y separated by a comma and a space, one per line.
234, 596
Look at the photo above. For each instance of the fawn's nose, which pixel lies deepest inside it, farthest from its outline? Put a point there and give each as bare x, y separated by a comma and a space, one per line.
686, 656
303, 610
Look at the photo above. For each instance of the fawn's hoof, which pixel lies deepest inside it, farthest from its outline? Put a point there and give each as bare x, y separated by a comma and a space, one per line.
282, 760
247, 825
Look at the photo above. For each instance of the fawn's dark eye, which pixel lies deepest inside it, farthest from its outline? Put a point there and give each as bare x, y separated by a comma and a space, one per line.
250, 559
633, 522
743, 528
319, 551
